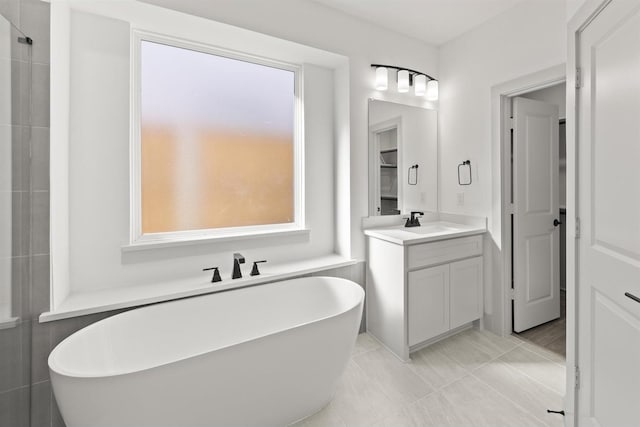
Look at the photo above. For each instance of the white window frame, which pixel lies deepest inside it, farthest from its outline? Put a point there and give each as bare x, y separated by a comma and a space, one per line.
228, 233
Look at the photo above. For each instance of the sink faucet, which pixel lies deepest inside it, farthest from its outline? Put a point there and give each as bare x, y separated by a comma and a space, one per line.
237, 260
413, 221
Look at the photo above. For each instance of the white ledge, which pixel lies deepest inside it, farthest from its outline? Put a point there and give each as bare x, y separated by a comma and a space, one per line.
84, 303
11, 322
203, 239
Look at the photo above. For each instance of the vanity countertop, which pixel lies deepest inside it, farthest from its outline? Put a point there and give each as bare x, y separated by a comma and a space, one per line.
427, 232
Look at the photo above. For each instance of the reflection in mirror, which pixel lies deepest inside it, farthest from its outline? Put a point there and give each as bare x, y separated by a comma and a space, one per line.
403, 160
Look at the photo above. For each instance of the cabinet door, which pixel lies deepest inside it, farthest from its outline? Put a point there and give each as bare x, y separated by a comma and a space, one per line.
428, 303
465, 291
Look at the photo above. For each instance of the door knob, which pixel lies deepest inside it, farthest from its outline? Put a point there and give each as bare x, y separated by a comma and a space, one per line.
556, 223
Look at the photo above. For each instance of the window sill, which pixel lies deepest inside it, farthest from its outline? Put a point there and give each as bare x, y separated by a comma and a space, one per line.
100, 301
198, 240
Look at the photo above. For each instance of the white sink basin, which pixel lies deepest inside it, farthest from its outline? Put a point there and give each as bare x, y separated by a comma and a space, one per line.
432, 228
428, 231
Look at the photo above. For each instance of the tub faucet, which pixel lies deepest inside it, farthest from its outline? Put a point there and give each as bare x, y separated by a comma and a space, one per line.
237, 260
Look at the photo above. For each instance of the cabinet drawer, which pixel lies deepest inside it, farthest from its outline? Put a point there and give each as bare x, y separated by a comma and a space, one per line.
443, 251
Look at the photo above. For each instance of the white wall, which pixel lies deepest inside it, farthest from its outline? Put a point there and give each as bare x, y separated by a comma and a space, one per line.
315, 25
525, 39
98, 151
98, 187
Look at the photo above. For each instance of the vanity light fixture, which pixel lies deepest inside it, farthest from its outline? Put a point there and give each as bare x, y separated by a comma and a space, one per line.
422, 83
403, 81
432, 90
382, 81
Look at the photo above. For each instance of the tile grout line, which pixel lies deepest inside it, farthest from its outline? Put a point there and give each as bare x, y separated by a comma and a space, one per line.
521, 345
11, 390
488, 361
448, 383
529, 376
506, 397
403, 364
542, 355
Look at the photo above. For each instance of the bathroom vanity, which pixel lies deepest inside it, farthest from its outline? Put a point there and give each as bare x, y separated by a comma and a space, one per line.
423, 283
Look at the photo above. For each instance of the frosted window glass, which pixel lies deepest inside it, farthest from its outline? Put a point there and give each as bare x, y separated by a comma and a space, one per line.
217, 141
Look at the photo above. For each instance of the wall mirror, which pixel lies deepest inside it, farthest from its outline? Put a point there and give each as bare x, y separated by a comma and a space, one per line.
403, 158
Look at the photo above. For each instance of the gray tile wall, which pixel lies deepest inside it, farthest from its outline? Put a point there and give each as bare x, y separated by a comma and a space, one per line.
26, 398
25, 392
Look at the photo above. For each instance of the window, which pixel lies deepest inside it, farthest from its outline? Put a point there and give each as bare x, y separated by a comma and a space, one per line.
217, 144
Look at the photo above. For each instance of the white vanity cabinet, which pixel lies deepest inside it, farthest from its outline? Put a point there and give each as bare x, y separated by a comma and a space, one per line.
419, 292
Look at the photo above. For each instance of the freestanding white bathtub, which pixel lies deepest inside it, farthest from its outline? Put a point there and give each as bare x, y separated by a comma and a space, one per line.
266, 355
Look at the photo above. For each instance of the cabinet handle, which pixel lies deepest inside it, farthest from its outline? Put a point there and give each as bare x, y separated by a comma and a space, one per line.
632, 296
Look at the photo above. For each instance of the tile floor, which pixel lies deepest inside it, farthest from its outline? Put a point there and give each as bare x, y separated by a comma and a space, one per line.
474, 378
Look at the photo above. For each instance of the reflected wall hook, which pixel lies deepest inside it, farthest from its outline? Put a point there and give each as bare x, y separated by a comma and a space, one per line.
461, 181
415, 177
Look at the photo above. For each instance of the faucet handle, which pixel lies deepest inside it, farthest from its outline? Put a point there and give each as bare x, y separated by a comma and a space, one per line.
254, 269
216, 274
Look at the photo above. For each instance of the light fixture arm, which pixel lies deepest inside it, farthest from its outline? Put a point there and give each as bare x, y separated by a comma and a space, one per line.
411, 72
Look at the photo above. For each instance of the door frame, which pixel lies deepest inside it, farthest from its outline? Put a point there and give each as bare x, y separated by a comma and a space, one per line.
501, 96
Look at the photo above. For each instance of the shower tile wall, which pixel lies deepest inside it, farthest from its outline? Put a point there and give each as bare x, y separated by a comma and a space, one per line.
25, 392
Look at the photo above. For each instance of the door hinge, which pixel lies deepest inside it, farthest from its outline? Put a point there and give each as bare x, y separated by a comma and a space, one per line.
578, 78
577, 377
577, 228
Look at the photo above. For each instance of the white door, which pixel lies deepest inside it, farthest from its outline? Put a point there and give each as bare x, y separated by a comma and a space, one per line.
608, 253
536, 240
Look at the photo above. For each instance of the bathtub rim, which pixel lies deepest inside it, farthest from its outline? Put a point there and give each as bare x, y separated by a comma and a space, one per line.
62, 372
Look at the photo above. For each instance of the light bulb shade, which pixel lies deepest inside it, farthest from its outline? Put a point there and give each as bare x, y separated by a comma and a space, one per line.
381, 78
432, 90
420, 84
403, 81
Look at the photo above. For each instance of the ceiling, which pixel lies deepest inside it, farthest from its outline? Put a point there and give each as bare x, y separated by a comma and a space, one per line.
432, 21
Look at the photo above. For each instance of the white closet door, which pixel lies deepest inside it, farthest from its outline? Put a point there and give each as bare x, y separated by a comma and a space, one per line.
536, 241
